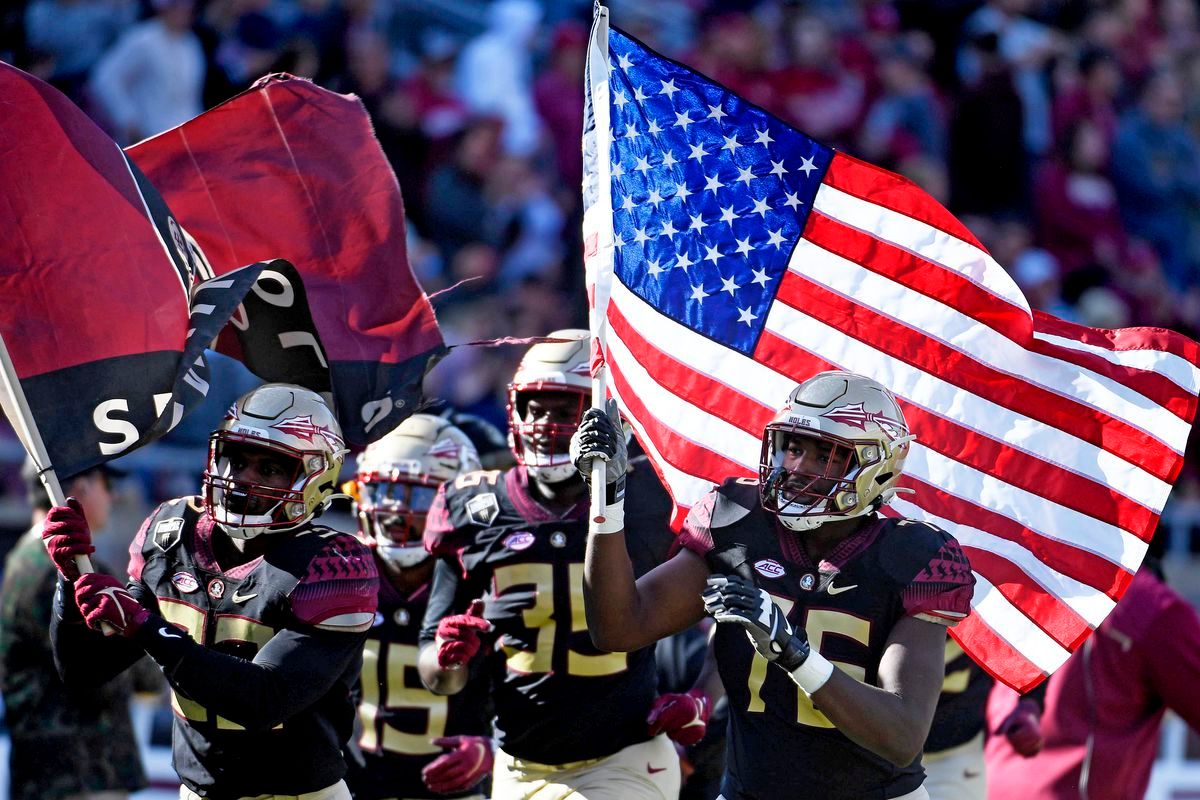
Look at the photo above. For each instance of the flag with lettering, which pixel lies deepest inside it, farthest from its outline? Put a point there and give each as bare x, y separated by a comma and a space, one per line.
730, 257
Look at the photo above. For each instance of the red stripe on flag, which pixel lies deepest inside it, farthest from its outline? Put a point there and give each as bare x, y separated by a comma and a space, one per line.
920, 350
893, 192
696, 388
1001, 660
1060, 622
1121, 339
1081, 565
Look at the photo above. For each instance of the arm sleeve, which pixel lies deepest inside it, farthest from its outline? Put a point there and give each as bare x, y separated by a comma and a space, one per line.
697, 528
942, 587
1173, 660
443, 598
85, 657
294, 670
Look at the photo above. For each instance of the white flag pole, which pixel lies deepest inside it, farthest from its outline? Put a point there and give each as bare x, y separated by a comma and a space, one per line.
16, 409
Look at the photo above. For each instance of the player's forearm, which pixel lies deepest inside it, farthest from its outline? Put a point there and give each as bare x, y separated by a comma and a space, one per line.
610, 595
883, 722
436, 678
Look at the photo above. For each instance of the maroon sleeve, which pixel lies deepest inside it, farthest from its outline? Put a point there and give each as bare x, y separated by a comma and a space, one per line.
438, 526
941, 590
697, 528
1173, 659
136, 560
340, 588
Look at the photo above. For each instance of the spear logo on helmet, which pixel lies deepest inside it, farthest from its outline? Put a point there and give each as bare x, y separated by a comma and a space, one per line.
304, 428
857, 416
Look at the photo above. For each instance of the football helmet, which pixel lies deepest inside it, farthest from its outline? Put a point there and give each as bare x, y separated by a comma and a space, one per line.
396, 481
859, 440
296, 426
543, 447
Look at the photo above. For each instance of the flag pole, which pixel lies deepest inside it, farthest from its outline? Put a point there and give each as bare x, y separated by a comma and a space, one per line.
16, 409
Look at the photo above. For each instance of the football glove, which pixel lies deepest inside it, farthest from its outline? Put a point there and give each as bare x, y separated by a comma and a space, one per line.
682, 717
600, 436
467, 762
458, 636
733, 599
1023, 729
66, 534
103, 600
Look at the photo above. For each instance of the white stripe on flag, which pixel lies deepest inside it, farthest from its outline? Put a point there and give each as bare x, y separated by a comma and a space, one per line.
1178, 370
1008, 623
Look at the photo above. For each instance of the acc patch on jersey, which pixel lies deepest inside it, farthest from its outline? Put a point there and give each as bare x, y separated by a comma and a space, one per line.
483, 508
167, 533
521, 540
185, 582
769, 568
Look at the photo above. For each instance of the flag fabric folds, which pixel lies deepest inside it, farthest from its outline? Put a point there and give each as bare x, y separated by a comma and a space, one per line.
730, 257
293, 171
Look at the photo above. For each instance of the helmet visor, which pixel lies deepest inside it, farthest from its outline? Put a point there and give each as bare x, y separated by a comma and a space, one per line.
801, 472
394, 511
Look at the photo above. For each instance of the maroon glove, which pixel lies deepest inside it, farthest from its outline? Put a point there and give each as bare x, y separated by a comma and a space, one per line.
102, 599
683, 717
1023, 729
66, 535
458, 636
469, 759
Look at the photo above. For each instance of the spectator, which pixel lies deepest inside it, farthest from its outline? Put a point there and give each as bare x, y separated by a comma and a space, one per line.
66, 743
1092, 97
456, 208
153, 78
558, 93
1156, 168
75, 33
907, 119
816, 92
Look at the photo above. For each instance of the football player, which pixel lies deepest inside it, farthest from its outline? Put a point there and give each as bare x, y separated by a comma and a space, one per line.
831, 617
415, 744
256, 614
570, 719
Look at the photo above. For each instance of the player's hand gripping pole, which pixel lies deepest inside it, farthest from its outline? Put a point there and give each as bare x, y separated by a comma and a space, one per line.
598, 452
599, 466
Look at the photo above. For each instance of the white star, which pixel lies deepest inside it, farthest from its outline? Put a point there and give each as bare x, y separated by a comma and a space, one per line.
745, 316
729, 285
792, 201
698, 294
807, 166
653, 127
618, 170
627, 204
668, 159
744, 247
682, 192
682, 120
715, 112
668, 88
653, 268
745, 175
713, 182
712, 254
760, 277
697, 152
631, 131
698, 222
638, 94
763, 138
727, 215
777, 168
668, 230
776, 238
655, 198
760, 208
639, 235
643, 165
618, 241
623, 61
683, 262
731, 143
619, 99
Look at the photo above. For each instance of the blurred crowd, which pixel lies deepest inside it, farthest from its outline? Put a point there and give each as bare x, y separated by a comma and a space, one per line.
1062, 132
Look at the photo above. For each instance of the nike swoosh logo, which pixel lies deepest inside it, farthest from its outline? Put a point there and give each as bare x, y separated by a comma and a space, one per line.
241, 598
163, 632
653, 770
839, 589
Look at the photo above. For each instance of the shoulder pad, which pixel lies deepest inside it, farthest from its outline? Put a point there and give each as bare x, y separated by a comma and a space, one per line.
907, 545
928, 566
339, 589
736, 498
162, 531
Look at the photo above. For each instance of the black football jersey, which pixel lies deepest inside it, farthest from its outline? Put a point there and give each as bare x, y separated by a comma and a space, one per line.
399, 717
962, 705
558, 699
780, 745
173, 568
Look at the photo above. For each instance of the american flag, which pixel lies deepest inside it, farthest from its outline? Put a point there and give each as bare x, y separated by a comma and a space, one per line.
730, 257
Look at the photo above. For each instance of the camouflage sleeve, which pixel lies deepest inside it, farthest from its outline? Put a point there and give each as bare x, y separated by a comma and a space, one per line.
341, 588
697, 528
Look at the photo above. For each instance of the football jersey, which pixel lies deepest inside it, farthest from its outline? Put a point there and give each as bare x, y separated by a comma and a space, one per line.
558, 699
780, 745
962, 705
398, 716
316, 574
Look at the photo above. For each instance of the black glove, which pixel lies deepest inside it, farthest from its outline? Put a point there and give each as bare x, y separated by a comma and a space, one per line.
732, 598
600, 436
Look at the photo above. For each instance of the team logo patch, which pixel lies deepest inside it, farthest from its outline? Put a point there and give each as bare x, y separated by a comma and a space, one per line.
304, 428
402, 617
167, 533
558, 539
858, 416
769, 568
185, 582
483, 508
808, 581
216, 588
522, 540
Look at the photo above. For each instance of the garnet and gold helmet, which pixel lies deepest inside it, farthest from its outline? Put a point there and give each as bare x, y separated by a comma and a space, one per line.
551, 368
